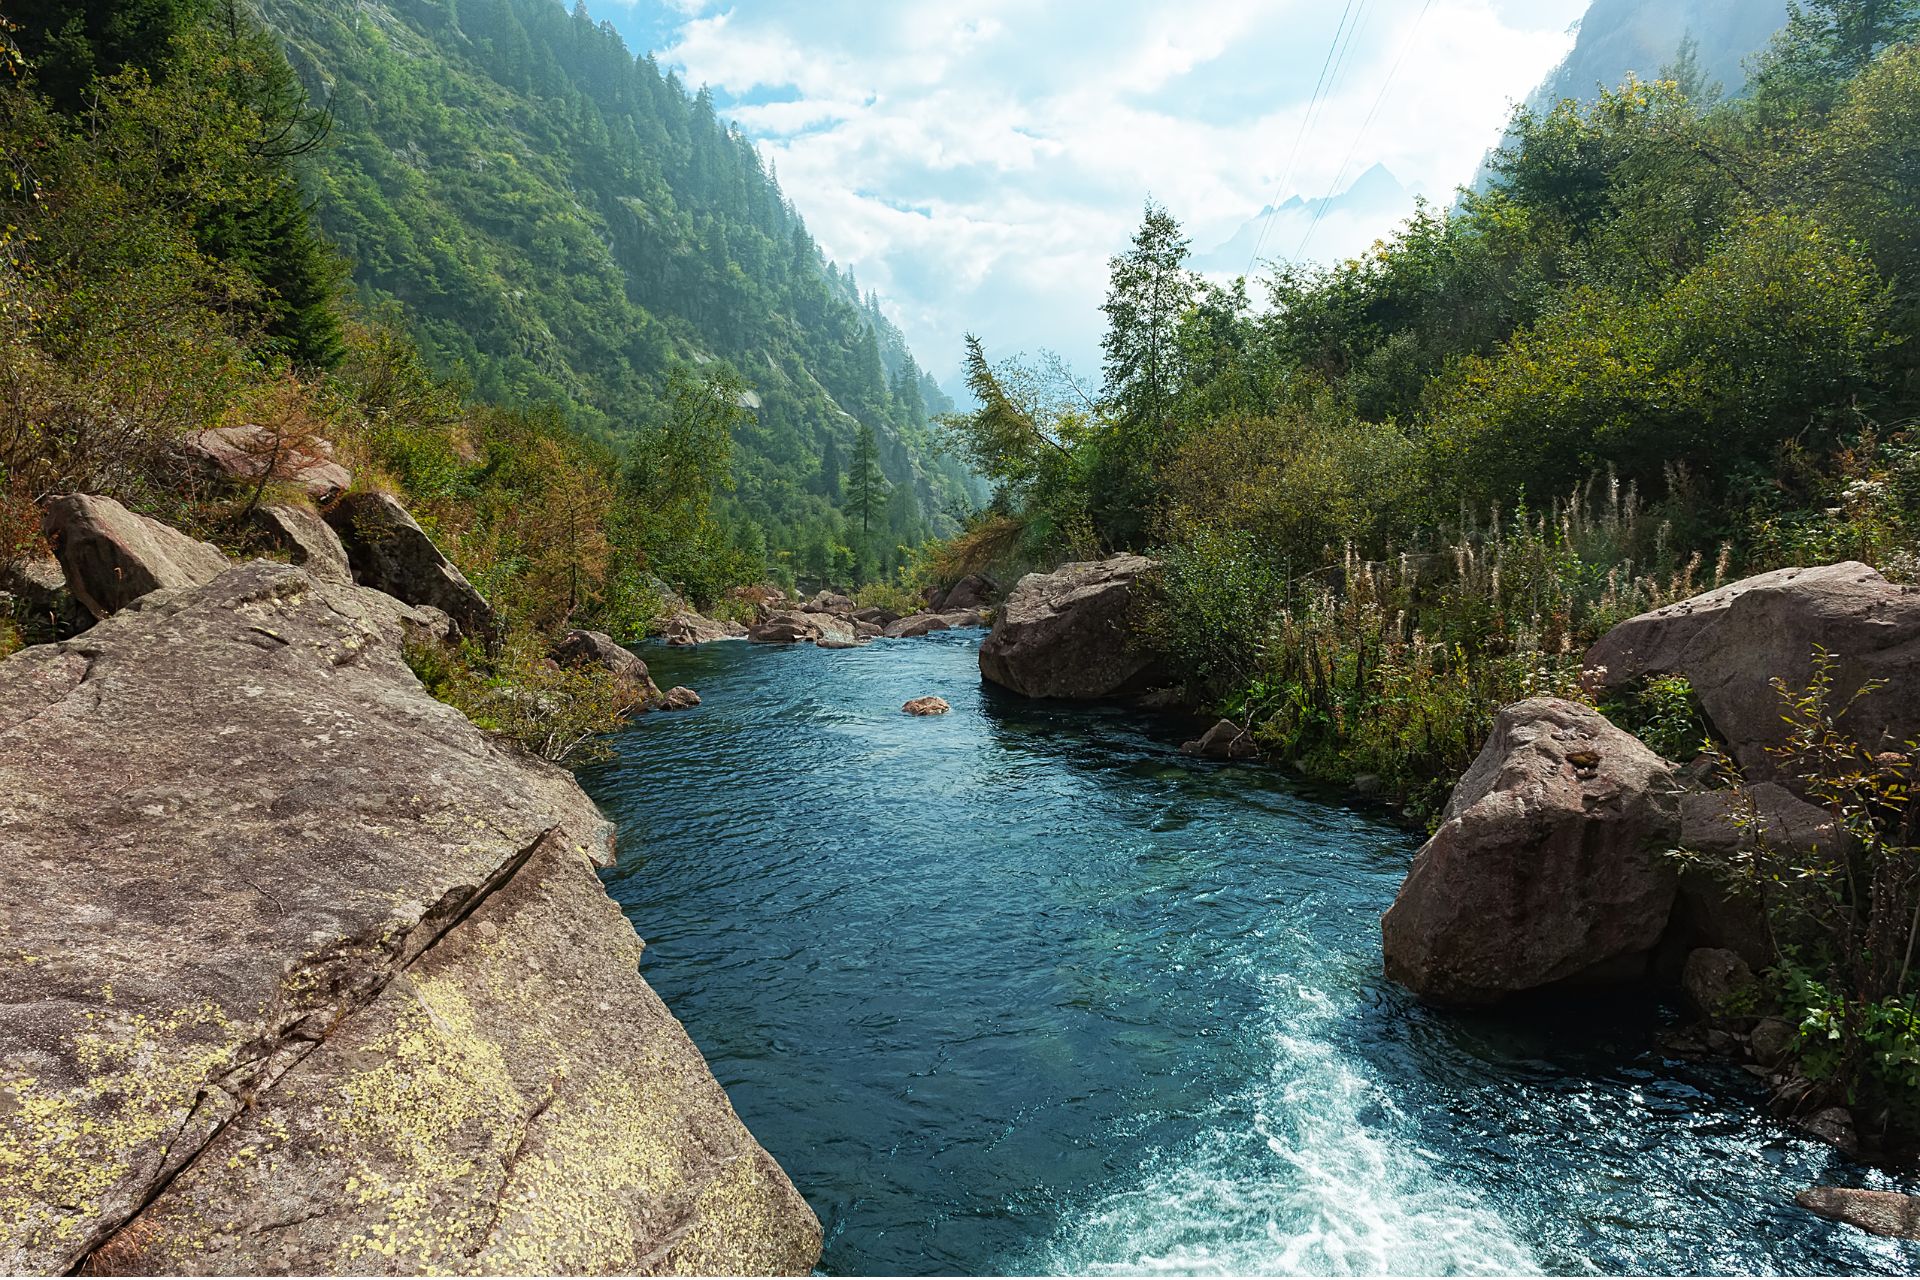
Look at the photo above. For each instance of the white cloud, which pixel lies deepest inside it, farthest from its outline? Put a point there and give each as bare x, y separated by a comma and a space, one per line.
977, 163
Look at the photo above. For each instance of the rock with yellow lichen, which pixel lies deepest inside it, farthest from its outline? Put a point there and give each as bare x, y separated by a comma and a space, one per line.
306, 975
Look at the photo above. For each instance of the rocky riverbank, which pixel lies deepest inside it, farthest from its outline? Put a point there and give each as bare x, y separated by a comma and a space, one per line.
305, 973
1553, 870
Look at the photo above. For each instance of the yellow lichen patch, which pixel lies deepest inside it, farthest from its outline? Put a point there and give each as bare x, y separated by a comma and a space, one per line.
744, 1223
570, 1205
66, 1148
438, 1112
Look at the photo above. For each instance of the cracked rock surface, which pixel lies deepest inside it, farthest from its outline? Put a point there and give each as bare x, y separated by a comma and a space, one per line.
303, 974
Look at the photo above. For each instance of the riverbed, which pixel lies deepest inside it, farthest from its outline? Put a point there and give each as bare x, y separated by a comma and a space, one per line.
1020, 989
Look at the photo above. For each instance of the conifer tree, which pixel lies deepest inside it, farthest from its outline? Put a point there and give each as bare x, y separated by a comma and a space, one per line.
866, 483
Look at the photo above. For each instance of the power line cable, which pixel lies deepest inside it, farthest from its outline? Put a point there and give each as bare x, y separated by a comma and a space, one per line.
1405, 48
1306, 123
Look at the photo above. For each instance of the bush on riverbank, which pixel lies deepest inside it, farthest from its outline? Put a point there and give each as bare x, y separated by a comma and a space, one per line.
1843, 917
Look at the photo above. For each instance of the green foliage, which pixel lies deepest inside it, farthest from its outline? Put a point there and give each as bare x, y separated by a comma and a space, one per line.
566, 224
556, 713
1664, 714
1844, 914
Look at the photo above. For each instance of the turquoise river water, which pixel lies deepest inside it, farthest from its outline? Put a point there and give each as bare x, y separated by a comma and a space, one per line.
1020, 989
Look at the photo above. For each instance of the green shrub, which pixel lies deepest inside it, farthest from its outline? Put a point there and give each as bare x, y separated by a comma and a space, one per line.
556, 713
1664, 714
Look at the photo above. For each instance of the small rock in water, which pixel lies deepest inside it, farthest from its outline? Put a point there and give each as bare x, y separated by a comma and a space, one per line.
679, 698
926, 707
1884, 1213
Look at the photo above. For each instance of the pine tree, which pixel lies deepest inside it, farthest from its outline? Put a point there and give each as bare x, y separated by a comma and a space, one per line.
866, 483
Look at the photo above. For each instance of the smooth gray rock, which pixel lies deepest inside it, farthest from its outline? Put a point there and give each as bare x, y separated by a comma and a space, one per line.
304, 974
1066, 634
1549, 864
112, 556
1224, 741
390, 552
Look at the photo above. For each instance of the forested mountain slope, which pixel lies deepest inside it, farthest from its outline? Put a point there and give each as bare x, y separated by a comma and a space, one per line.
564, 222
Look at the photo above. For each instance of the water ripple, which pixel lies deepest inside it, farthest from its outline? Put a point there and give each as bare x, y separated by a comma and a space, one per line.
1021, 989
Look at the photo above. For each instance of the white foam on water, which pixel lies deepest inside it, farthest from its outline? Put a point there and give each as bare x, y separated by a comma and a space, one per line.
1314, 1171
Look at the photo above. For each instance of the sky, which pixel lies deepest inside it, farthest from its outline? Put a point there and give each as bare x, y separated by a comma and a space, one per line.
977, 163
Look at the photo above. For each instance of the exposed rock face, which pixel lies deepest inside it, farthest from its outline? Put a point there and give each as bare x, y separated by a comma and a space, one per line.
1064, 634
1548, 865
309, 541
239, 454
830, 602
688, 627
337, 962
112, 556
975, 591
1883, 1213
391, 553
1771, 1041
876, 617
44, 606
1225, 741
1731, 643
929, 706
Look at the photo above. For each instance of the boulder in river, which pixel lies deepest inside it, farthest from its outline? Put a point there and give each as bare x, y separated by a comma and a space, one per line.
112, 556
1881, 1213
325, 981
689, 628
390, 552
1224, 741
1066, 634
915, 625
928, 706
679, 698
1732, 643
1548, 866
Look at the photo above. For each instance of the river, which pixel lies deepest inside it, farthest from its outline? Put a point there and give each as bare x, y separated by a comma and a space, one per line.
1020, 989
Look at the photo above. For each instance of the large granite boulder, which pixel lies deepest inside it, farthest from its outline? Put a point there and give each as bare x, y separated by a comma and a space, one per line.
112, 556
238, 455
1732, 643
1549, 864
324, 981
1716, 913
390, 552
1065, 634
306, 539
804, 626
